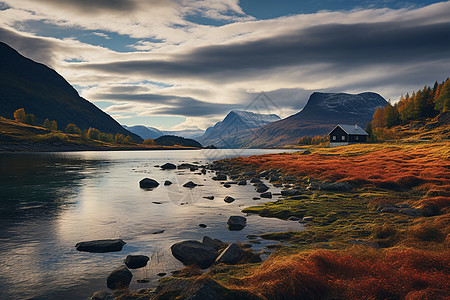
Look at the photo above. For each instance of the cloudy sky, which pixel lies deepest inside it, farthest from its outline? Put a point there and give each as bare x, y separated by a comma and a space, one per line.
184, 64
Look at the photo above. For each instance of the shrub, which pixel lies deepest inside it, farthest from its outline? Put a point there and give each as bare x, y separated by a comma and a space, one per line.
73, 129
19, 115
92, 133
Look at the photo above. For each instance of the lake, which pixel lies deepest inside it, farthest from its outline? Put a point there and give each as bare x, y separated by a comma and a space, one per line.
51, 201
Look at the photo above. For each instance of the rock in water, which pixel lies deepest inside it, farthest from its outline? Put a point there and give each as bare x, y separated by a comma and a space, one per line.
101, 246
209, 197
168, 166
148, 183
190, 184
213, 243
242, 182
228, 199
136, 261
230, 255
236, 223
101, 295
119, 278
266, 195
167, 182
194, 252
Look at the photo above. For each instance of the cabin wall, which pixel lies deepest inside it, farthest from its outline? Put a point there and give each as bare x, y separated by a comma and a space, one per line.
338, 136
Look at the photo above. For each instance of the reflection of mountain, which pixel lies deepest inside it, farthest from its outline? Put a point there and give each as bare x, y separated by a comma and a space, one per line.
37, 186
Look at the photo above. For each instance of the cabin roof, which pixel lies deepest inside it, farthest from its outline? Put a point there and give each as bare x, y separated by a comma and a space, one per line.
351, 129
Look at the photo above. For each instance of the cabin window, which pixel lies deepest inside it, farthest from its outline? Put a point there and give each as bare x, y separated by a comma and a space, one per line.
343, 137
356, 137
334, 137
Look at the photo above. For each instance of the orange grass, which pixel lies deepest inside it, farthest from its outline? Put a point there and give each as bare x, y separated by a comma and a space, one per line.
392, 274
391, 167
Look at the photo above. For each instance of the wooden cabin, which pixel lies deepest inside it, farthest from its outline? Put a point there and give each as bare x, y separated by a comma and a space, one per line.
347, 134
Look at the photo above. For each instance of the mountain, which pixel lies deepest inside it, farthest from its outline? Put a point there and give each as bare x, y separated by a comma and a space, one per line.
319, 116
145, 132
46, 94
187, 133
171, 140
225, 134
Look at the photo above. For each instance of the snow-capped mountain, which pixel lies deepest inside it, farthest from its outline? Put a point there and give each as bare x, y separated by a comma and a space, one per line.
223, 133
187, 133
321, 113
144, 132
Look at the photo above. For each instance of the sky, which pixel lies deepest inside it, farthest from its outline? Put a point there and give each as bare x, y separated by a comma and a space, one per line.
184, 64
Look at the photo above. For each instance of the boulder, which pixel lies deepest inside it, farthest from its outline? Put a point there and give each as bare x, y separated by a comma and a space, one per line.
187, 166
236, 222
242, 182
167, 182
220, 177
255, 180
230, 255
202, 225
168, 166
213, 243
194, 252
203, 171
249, 173
226, 185
266, 195
119, 278
136, 261
148, 183
190, 184
228, 199
290, 192
262, 188
101, 246
335, 186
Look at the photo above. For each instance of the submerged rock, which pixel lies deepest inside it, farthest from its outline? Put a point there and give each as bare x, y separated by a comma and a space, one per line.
209, 197
229, 199
167, 182
102, 295
136, 261
119, 278
190, 184
236, 223
148, 183
168, 166
194, 252
101, 246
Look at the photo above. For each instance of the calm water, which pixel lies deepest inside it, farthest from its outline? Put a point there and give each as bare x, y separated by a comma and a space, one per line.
51, 201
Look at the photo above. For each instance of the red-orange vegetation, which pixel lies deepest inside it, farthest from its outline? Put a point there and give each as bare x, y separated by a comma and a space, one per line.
390, 167
392, 274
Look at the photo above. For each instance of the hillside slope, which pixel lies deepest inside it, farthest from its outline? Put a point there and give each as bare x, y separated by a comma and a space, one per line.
46, 94
322, 112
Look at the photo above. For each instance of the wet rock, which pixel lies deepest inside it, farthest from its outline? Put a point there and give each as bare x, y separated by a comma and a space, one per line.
220, 177
335, 186
168, 166
102, 295
190, 184
290, 192
203, 171
256, 198
167, 182
119, 278
148, 183
194, 252
229, 199
101, 246
231, 182
213, 243
273, 178
262, 188
136, 261
242, 182
226, 185
230, 255
202, 225
209, 197
266, 195
156, 202
255, 180
187, 166
161, 274
236, 223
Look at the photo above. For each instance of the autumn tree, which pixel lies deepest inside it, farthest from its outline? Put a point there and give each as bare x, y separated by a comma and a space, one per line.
19, 115
47, 124
128, 140
442, 99
72, 129
53, 125
119, 138
92, 133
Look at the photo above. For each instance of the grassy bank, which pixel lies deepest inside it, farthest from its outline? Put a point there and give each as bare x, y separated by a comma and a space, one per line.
386, 238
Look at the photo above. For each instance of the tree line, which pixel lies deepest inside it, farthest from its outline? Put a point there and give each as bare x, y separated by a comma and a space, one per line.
90, 134
425, 103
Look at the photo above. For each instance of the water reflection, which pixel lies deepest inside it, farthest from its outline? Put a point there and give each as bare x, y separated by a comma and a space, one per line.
52, 201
